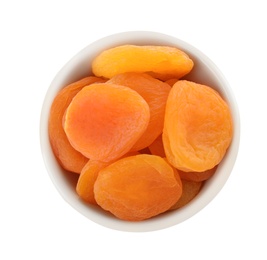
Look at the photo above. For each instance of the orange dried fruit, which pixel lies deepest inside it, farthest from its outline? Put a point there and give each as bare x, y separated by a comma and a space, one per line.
105, 120
157, 148
67, 156
190, 191
198, 176
137, 187
162, 62
197, 127
155, 93
171, 82
87, 178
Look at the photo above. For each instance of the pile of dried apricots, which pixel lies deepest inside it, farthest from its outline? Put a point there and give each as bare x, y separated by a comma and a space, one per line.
142, 139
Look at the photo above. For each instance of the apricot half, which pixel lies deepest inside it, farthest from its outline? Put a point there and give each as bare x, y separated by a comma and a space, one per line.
197, 127
190, 191
155, 93
105, 120
162, 62
198, 176
87, 178
67, 156
137, 187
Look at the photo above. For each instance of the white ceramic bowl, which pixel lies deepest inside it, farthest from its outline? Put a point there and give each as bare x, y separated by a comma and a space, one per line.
79, 66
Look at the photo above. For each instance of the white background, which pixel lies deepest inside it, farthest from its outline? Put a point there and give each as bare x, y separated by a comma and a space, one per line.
38, 38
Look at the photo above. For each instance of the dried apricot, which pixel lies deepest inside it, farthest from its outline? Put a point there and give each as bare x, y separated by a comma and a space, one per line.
105, 120
171, 82
197, 127
190, 191
198, 176
137, 187
155, 93
67, 156
87, 178
157, 147
162, 62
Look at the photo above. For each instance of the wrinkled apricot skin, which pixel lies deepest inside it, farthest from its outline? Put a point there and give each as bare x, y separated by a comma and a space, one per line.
190, 191
105, 120
87, 178
198, 176
67, 156
161, 62
155, 93
137, 187
197, 127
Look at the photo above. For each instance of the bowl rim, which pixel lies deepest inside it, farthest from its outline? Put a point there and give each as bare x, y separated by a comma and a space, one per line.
159, 222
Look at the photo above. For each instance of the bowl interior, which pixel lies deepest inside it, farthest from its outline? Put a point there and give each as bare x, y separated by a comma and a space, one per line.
204, 72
